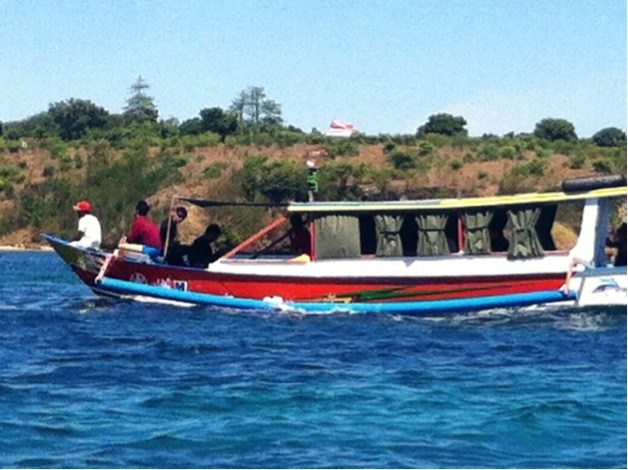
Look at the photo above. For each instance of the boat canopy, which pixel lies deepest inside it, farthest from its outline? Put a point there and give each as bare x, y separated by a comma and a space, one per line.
417, 205
443, 204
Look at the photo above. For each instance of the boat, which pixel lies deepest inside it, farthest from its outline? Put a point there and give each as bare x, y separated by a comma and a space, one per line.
405, 256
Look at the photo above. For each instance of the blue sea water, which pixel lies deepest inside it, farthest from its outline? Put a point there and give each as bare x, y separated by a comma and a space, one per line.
91, 383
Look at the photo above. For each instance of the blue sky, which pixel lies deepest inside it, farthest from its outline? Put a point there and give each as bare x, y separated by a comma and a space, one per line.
386, 66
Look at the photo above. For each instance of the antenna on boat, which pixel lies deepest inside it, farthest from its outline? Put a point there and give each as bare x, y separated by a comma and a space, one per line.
166, 243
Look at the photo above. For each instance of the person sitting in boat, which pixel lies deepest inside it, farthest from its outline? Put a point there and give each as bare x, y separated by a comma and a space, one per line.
300, 238
299, 235
619, 241
89, 234
168, 232
200, 253
144, 230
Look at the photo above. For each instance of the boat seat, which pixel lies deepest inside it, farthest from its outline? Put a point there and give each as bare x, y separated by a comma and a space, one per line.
139, 253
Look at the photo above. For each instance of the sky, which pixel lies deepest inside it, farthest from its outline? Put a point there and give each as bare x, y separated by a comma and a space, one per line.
385, 66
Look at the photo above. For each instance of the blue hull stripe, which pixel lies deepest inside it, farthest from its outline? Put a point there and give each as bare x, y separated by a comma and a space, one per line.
423, 306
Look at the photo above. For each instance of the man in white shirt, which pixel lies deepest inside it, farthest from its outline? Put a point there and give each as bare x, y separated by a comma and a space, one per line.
89, 233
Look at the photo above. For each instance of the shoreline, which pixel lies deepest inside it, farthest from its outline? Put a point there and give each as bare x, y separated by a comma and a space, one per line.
25, 248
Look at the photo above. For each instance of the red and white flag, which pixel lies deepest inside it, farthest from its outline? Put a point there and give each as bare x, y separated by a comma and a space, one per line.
339, 128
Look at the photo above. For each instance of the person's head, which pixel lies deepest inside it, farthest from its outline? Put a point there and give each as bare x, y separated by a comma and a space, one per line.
179, 214
296, 221
142, 208
82, 207
212, 232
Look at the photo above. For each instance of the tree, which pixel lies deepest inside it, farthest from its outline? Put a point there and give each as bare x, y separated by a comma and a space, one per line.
218, 121
444, 124
555, 129
252, 106
140, 107
610, 137
192, 126
74, 117
38, 125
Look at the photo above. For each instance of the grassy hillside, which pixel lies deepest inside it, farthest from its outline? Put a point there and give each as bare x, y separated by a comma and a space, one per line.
41, 179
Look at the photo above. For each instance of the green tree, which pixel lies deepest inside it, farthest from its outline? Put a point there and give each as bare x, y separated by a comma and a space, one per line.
192, 126
218, 121
140, 106
555, 129
610, 137
74, 117
444, 124
39, 125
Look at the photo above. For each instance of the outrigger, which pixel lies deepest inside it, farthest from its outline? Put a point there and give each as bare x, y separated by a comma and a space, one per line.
415, 257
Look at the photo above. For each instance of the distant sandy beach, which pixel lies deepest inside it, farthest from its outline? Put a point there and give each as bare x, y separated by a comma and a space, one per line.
25, 248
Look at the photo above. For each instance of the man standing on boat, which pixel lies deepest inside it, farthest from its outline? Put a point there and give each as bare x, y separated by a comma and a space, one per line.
89, 233
144, 230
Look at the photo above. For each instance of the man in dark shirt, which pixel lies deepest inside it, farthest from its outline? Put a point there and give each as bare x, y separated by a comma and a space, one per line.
201, 253
144, 230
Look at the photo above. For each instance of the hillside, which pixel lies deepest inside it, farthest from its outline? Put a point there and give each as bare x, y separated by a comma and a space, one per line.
34, 172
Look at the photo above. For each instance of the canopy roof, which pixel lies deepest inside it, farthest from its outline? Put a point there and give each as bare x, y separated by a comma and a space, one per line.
418, 205
432, 204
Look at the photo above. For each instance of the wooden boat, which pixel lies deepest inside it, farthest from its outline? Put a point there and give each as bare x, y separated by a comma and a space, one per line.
425, 256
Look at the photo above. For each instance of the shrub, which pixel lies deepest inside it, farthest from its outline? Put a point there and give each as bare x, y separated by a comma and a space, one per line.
425, 149
344, 147
78, 162
469, 157
577, 161
403, 160
214, 170
603, 166
456, 164
277, 180
489, 152
389, 146
508, 152
56, 147
66, 163
564, 148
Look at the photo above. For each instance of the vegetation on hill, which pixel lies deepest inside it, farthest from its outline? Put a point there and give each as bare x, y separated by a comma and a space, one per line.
77, 150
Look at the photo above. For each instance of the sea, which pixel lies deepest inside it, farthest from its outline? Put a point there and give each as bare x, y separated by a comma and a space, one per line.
88, 382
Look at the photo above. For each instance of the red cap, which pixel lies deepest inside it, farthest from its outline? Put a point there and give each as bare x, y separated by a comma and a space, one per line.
83, 206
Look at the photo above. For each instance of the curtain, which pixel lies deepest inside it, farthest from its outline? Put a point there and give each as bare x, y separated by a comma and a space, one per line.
524, 241
337, 236
387, 232
544, 227
432, 240
477, 238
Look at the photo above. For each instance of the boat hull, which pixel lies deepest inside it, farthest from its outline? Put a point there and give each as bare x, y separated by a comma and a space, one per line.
138, 277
